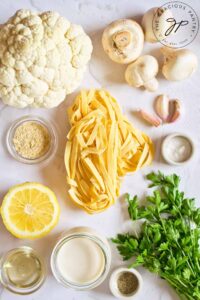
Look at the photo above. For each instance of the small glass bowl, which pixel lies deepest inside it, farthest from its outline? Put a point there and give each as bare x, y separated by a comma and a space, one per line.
87, 233
52, 133
23, 289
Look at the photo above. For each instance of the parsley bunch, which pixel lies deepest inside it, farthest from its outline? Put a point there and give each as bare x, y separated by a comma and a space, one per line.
169, 240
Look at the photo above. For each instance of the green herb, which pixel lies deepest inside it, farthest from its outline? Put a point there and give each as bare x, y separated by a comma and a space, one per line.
169, 240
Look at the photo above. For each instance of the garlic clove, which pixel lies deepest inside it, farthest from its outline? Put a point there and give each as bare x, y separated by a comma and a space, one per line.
176, 110
152, 120
162, 107
178, 64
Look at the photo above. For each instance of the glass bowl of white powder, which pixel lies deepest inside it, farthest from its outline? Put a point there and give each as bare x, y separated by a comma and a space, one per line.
177, 149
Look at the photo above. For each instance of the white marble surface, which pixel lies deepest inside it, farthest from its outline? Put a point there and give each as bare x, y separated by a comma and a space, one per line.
94, 15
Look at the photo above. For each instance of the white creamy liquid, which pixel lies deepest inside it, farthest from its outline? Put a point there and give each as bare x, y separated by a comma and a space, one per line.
178, 149
80, 260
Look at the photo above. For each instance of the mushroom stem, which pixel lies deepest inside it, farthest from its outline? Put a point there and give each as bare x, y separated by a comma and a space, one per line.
151, 85
122, 39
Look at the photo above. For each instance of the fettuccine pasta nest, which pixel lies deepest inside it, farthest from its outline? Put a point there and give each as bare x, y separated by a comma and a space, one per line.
102, 147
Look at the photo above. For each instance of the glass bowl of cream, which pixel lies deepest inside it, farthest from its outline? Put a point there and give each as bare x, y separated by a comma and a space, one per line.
31, 140
81, 259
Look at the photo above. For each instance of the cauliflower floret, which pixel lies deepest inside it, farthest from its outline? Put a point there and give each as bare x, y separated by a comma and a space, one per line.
42, 59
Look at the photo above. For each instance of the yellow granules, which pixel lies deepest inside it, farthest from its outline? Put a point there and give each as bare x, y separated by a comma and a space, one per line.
31, 140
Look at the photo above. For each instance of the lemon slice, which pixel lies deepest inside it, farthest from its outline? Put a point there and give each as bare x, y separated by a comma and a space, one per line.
30, 210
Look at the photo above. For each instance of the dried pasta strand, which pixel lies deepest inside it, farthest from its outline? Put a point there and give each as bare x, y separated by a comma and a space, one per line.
102, 147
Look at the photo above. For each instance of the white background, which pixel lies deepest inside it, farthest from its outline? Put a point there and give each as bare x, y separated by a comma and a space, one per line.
94, 16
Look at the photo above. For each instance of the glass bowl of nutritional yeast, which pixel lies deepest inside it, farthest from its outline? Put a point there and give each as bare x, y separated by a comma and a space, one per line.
22, 271
31, 140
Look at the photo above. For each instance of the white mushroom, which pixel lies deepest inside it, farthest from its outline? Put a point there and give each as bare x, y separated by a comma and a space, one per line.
123, 41
142, 72
155, 24
178, 64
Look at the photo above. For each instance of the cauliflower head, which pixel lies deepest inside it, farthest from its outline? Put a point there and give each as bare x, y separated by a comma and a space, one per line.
42, 59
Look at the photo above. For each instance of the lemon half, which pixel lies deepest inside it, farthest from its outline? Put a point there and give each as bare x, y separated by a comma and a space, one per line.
30, 210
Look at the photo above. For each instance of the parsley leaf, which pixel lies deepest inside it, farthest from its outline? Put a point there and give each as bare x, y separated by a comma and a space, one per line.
170, 235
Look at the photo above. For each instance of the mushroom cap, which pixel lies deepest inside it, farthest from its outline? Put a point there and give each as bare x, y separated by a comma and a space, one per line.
159, 15
143, 70
178, 64
123, 40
